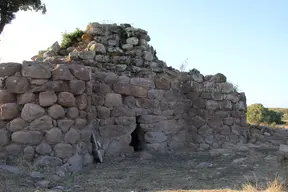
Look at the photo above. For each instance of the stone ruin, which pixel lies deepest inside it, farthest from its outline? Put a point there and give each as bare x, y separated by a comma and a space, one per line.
49, 106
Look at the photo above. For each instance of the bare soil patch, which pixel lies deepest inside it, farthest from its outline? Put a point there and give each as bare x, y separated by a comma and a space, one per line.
217, 170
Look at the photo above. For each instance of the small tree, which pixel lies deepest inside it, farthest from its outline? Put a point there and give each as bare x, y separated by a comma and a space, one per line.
8, 8
257, 113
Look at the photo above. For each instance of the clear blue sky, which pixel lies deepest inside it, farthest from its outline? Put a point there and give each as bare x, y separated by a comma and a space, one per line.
243, 39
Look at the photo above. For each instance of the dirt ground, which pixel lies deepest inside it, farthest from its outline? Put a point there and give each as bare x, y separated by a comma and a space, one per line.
217, 170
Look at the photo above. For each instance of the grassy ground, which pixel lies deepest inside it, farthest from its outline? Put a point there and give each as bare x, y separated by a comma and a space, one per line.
179, 172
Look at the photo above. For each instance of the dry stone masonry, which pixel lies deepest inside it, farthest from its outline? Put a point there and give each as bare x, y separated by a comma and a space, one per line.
49, 106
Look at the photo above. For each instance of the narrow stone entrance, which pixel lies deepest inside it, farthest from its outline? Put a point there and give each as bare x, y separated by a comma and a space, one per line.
137, 137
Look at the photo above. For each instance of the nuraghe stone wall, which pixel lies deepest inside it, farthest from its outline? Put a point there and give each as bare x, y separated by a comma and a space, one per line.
49, 106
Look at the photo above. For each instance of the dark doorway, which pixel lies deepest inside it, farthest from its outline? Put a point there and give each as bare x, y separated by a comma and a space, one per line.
137, 137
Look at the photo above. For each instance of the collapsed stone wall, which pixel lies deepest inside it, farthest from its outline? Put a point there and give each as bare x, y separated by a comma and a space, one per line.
48, 106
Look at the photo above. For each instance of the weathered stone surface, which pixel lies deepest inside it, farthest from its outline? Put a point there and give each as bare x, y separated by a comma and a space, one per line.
122, 111
155, 137
27, 97
56, 111
226, 87
219, 78
80, 123
48, 161
101, 89
132, 41
47, 98
75, 162
63, 150
119, 146
42, 123
80, 72
98, 48
284, 150
211, 104
17, 125
87, 55
27, 137
225, 105
162, 83
43, 149
73, 113
31, 112
54, 136
82, 101
8, 69
36, 70
72, 136
9, 111
113, 100
65, 124
66, 99
155, 94
17, 84
4, 138
146, 119
103, 112
132, 90
61, 72
143, 82
77, 87
38, 81
28, 152
14, 150
6, 97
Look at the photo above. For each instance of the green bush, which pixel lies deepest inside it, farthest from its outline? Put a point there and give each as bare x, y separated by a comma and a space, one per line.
69, 39
258, 114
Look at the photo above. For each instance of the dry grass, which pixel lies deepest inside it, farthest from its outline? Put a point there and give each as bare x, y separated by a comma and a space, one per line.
272, 186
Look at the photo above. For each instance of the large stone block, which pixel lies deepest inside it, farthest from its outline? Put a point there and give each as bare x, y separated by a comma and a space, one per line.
27, 137
8, 69
127, 89
73, 112
56, 111
226, 87
66, 99
27, 97
72, 136
211, 105
54, 136
80, 72
61, 72
6, 97
47, 98
31, 112
103, 112
4, 138
82, 101
122, 111
65, 124
43, 149
63, 150
162, 83
155, 137
113, 100
17, 84
155, 94
36, 70
42, 123
142, 82
9, 111
147, 119
77, 87
17, 124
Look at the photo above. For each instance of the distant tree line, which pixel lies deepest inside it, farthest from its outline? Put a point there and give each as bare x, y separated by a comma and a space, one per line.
258, 114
